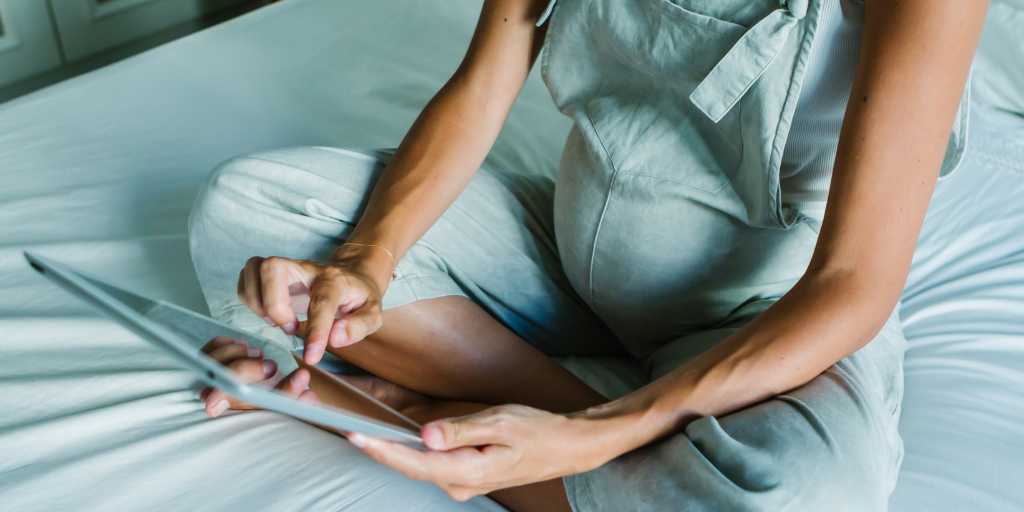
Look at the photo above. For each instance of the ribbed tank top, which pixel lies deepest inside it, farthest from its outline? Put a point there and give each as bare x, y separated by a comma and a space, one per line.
810, 152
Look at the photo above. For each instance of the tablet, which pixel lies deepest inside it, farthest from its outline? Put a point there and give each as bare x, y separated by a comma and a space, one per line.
181, 334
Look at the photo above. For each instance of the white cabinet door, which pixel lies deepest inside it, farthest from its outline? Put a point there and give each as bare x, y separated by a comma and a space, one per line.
27, 42
88, 27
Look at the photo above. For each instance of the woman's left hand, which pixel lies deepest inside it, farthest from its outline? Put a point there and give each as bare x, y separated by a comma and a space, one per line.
505, 446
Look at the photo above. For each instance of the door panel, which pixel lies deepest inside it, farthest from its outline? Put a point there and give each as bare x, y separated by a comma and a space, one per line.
28, 45
88, 27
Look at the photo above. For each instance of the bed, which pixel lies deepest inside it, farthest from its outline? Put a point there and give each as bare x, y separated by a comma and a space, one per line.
100, 172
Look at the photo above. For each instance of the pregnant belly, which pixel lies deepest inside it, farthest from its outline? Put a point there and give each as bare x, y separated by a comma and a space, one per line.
654, 263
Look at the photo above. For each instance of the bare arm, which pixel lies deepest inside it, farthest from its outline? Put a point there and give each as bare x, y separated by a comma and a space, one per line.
431, 167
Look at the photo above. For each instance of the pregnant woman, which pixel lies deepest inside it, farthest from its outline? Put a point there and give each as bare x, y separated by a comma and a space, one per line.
736, 209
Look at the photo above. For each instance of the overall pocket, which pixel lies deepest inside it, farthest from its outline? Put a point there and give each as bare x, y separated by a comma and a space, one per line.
653, 55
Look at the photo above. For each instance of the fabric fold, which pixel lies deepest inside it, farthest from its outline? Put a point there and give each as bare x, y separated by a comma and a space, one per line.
737, 72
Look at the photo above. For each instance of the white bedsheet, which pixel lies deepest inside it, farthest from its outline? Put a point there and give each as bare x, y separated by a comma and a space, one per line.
963, 314
100, 172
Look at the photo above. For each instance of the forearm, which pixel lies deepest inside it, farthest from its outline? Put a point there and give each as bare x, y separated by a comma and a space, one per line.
824, 318
434, 163
453, 134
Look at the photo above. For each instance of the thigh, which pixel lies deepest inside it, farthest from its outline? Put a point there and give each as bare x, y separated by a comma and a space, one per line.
495, 245
831, 444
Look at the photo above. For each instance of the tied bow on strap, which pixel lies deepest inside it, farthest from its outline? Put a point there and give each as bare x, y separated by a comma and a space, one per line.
747, 60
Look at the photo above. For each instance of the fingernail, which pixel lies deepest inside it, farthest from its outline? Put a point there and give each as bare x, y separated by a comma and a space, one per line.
433, 437
314, 354
220, 407
289, 328
338, 335
270, 321
253, 352
269, 368
358, 440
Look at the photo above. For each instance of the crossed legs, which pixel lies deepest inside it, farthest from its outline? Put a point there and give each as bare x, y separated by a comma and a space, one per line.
463, 360
495, 245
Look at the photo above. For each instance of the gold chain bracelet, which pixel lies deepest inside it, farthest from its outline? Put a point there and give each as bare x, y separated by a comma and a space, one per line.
394, 265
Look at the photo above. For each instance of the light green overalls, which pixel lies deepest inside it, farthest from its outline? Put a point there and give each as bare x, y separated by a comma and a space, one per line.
665, 226
668, 210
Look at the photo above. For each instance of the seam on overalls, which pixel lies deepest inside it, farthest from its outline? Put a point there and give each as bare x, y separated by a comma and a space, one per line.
545, 48
789, 108
607, 199
708, 114
741, 94
743, 148
673, 180
728, 177
611, 180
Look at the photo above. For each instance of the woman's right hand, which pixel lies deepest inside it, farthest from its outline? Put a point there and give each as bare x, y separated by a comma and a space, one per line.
250, 366
341, 299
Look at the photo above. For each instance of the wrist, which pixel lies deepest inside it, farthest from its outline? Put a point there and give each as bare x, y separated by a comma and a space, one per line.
623, 425
607, 433
372, 261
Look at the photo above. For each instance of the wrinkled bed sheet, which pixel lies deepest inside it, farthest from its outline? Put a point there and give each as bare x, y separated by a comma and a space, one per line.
101, 171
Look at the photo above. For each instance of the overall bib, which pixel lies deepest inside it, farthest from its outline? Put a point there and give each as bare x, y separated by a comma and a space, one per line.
668, 209
670, 225
663, 235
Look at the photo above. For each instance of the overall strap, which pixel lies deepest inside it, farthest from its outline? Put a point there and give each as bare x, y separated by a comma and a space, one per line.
547, 13
747, 60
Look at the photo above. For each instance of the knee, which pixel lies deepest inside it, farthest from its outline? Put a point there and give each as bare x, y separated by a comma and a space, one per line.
796, 449
238, 190
240, 175
223, 189
259, 184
